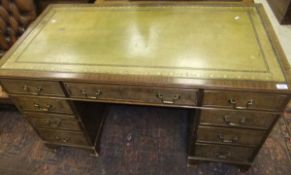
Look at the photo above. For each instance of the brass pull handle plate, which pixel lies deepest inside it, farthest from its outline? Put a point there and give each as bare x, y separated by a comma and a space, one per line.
168, 100
38, 107
228, 121
32, 90
63, 139
25, 88
53, 123
233, 102
223, 155
222, 139
85, 94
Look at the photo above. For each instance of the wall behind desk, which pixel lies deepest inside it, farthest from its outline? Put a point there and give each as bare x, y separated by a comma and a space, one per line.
282, 31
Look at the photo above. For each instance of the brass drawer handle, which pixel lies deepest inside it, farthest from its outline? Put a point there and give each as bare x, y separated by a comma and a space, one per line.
233, 102
53, 123
222, 139
85, 95
227, 120
168, 100
223, 155
63, 139
38, 107
37, 90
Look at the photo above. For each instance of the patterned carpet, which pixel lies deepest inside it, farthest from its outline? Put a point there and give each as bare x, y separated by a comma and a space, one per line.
156, 147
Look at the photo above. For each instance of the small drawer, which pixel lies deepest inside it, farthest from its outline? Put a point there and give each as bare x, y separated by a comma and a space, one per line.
231, 136
244, 119
244, 100
168, 96
29, 87
62, 137
53, 121
224, 153
43, 105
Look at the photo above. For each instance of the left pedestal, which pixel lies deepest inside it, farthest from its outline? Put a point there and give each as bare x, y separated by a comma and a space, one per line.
56, 119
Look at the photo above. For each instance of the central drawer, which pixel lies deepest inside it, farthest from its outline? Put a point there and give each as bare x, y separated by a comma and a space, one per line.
168, 96
53, 121
231, 136
43, 104
63, 137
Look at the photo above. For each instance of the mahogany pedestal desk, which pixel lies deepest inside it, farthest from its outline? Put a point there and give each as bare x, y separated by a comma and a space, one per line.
220, 62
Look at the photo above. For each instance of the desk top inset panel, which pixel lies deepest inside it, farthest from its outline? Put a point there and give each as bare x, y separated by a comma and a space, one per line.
204, 42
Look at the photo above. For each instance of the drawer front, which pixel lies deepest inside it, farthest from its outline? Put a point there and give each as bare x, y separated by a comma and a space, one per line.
246, 119
133, 94
62, 137
29, 87
231, 136
224, 153
53, 121
43, 105
244, 100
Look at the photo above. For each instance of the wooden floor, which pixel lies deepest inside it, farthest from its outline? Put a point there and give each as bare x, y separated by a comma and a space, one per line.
157, 147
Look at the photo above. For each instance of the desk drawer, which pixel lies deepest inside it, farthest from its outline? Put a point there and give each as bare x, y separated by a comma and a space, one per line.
231, 136
43, 105
30, 87
62, 137
53, 121
244, 100
167, 96
253, 119
224, 153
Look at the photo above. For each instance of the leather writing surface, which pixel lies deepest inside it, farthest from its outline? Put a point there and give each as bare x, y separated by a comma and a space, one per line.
208, 42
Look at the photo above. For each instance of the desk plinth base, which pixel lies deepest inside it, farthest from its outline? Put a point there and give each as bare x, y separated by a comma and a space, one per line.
243, 166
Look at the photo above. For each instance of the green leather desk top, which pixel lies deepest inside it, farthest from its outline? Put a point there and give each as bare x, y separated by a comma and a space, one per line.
203, 42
